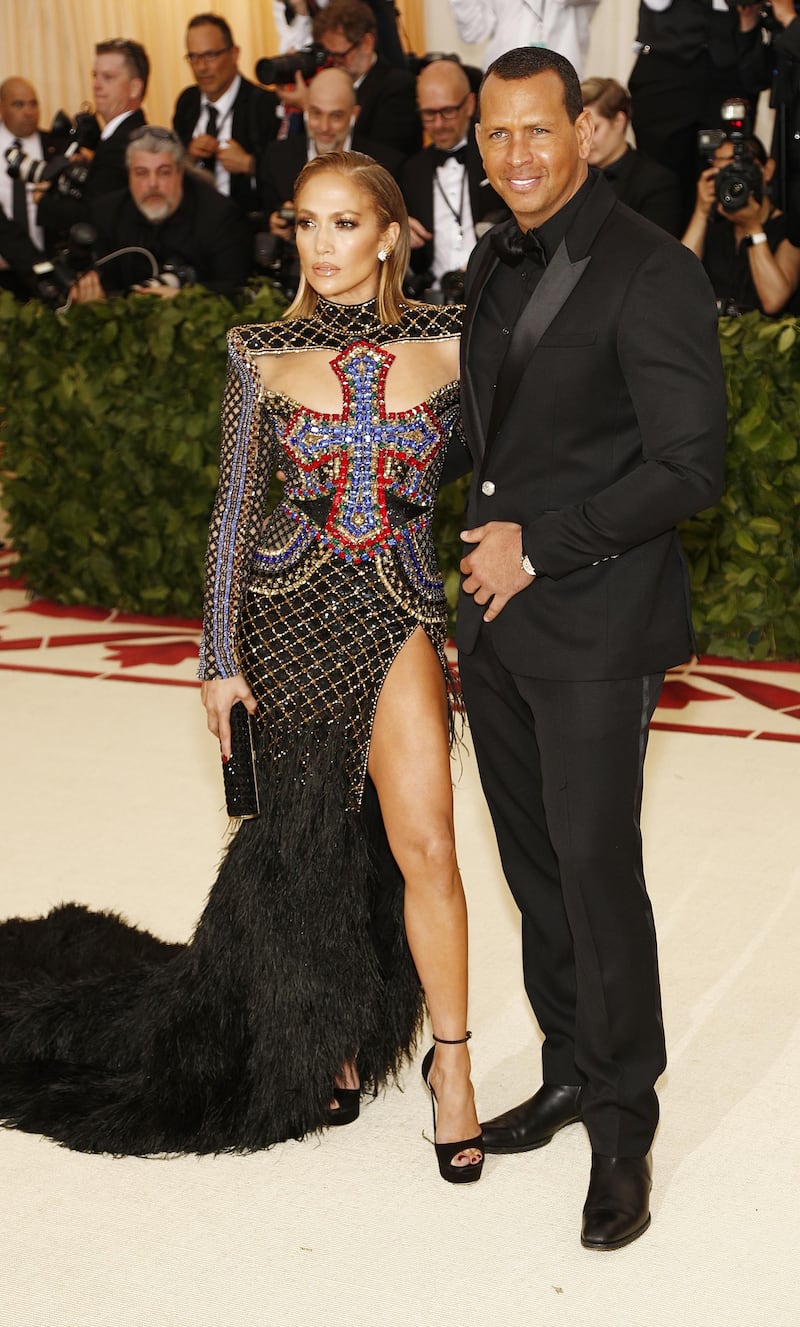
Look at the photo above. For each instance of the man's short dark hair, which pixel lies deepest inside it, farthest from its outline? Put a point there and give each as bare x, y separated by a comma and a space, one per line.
216, 21
525, 61
133, 53
353, 17
756, 149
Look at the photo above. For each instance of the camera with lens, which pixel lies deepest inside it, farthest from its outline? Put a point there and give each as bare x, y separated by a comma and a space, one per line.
69, 175
279, 260
766, 16
422, 286
741, 177
285, 68
452, 287
172, 273
54, 277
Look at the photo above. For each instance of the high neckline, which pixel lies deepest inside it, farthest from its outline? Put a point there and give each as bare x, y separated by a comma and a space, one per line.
348, 320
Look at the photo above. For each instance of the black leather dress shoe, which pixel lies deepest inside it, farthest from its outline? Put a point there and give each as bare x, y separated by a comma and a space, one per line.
533, 1123
617, 1208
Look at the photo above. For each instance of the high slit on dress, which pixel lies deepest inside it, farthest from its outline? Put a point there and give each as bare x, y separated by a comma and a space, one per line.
114, 1041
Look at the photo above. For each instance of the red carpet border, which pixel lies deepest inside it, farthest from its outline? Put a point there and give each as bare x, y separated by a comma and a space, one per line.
722, 697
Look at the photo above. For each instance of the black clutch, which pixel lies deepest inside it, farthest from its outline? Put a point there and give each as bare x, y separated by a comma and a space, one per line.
239, 772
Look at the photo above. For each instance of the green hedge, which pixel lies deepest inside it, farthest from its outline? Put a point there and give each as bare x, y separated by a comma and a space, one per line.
743, 553
110, 424
111, 438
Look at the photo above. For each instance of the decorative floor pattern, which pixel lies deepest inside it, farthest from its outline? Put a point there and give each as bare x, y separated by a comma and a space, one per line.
723, 697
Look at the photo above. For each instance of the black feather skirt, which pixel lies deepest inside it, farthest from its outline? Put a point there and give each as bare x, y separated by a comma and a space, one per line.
114, 1041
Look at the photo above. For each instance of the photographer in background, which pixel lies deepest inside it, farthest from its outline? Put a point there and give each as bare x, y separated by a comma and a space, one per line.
196, 236
646, 186
19, 113
330, 125
21, 237
347, 31
294, 19
769, 57
224, 121
687, 65
741, 236
445, 185
119, 82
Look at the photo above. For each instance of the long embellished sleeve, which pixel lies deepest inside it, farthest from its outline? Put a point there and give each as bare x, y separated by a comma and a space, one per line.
238, 512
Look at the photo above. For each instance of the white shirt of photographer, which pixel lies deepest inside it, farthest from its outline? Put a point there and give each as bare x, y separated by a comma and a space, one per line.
32, 147
293, 35
224, 107
561, 25
453, 239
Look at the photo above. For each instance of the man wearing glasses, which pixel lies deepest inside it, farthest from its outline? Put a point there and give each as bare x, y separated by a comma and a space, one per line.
224, 121
449, 199
347, 31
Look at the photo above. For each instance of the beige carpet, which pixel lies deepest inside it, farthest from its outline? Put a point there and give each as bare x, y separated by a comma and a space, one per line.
111, 795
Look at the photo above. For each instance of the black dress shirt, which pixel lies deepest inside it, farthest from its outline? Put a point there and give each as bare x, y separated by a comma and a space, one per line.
504, 298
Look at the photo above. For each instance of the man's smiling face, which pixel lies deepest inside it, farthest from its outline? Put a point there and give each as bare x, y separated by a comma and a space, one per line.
534, 155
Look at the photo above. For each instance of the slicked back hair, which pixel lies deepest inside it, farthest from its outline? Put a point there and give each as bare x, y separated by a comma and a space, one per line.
526, 61
216, 21
132, 52
353, 17
607, 96
385, 198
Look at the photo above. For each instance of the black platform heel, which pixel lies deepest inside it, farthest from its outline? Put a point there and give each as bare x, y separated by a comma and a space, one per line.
346, 1110
446, 1152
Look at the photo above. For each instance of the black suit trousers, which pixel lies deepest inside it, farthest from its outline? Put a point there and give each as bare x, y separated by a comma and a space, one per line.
561, 765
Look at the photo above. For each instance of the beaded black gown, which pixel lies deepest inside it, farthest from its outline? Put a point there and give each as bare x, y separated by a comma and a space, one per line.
112, 1040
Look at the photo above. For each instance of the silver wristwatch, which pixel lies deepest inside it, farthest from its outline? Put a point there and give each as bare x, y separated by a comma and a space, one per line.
526, 565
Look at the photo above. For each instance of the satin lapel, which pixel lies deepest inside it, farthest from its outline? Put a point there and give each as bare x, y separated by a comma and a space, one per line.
469, 402
560, 279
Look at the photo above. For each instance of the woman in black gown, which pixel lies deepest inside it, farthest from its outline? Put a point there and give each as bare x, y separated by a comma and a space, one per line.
301, 985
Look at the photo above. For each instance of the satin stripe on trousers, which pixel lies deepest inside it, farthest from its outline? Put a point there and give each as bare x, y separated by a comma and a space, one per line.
561, 765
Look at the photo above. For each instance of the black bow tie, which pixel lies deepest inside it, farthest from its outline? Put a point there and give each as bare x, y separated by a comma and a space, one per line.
458, 154
511, 246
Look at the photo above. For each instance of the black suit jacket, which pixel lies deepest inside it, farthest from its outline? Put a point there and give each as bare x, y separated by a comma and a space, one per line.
19, 251
388, 113
207, 232
650, 189
283, 161
107, 174
416, 182
608, 428
254, 124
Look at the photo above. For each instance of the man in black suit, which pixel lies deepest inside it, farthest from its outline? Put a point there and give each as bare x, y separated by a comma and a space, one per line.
21, 238
18, 254
594, 410
224, 121
177, 216
687, 64
346, 29
643, 184
447, 195
331, 125
119, 83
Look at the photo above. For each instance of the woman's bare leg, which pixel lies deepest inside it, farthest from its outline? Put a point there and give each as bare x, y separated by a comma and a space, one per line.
409, 763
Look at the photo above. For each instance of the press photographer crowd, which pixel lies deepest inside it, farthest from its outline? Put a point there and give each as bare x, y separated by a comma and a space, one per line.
104, 204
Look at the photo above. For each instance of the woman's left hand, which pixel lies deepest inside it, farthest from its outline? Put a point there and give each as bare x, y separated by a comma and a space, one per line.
219, 695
